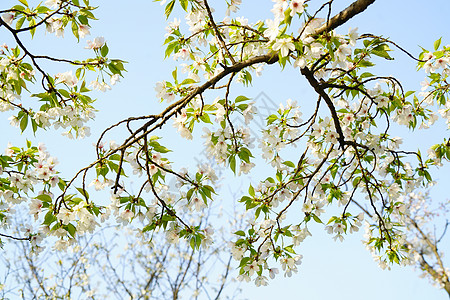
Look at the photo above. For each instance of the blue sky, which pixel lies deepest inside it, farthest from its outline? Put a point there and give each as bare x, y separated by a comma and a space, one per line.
134, 31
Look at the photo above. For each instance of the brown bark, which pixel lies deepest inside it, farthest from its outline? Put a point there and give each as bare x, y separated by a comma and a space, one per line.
355, 8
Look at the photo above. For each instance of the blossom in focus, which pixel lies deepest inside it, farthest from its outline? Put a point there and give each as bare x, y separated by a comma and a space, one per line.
114, 79
296, 6
353, 35
66, 78
83, 30
284, 45
101, 86
35, 208
272, 29
172, 26
55, 26
97, 43
162, 91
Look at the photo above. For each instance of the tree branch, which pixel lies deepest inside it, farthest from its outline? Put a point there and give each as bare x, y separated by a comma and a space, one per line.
355, 8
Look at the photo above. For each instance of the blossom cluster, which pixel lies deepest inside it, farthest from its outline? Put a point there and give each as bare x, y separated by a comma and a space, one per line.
348, 154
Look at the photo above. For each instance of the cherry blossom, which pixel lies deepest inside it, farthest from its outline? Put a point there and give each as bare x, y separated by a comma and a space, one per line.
324, 163
284, 45
97, 43
8, 18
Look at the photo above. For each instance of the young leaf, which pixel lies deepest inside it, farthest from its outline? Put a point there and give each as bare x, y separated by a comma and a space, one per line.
169, 8
24, 2
184, 4
24, 123
104, 50
437, 43
75, 30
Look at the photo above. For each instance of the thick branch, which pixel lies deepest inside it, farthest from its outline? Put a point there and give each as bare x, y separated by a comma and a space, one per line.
270, 58
355, 8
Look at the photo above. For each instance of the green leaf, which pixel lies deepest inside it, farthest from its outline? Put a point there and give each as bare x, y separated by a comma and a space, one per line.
245, 154
408, 93
210, 188
16, 52
83, 192
232, 161
356, 181
104, 50
437, 43
114, 167
289, 164
83, 20
279, 176
245, 199
169, 8
71, 229
44, 198
258, 212
242, 106
184, 4
20, 23
205, 192
174, 75
366, 74
240, 233
84, 89
113, 68
241, 98
115, 157
365, 63
171, 48
205, 118
189, 194
31, 24
289, 249
18, 7
192, 243
316, 218
64, 93
251, 191
24, 2
188, 81
75, 29
24, 123
49, 218
381, 51
244, 261
282, 60
41, 9
427, 175
88, 14
159, 148
78, 72
334, 170
271, 119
